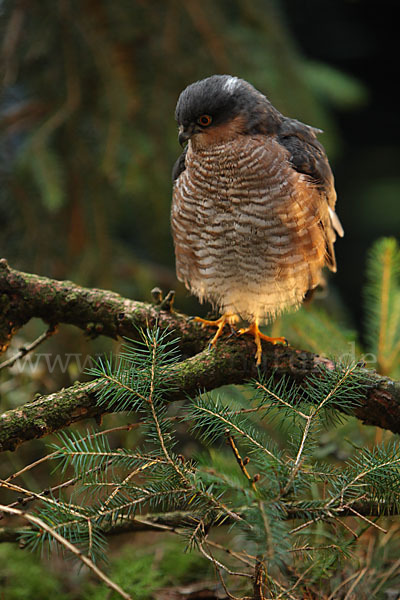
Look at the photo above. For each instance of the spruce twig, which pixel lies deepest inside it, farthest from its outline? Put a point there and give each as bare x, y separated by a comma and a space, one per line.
239, 460
61, 540
29, 348
382, 300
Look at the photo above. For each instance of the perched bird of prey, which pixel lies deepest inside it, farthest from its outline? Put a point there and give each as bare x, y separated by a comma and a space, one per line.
253, 205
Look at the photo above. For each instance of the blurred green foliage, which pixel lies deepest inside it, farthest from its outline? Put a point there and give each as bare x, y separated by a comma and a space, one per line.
22, 576
140, 570
144, 571
89, 136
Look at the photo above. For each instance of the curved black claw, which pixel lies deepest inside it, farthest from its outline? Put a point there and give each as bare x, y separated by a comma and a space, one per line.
233, 333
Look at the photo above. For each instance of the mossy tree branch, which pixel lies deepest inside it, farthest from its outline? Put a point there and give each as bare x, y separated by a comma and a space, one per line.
24, 296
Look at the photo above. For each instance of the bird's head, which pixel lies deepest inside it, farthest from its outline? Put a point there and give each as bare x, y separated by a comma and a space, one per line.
220, 107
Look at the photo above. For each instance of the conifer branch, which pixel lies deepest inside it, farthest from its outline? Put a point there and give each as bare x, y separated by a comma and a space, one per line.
66, 544
176, 520
242, 463
24, 296
382, 303
205, 371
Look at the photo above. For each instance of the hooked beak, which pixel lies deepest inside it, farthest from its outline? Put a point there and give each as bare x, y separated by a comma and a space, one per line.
186, 133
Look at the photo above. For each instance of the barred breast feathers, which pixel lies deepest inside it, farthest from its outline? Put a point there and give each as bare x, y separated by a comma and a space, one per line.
249, 231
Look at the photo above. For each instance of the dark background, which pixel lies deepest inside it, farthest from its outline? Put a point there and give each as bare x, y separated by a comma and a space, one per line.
362, 40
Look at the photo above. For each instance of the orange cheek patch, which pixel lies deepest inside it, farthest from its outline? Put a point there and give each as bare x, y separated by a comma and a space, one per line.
220, 133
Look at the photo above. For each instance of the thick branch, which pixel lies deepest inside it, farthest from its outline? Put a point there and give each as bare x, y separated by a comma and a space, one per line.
23, 296
174, 521
230, 362
169, 521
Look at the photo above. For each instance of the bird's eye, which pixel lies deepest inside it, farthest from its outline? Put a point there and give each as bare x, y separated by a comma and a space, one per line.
204, 120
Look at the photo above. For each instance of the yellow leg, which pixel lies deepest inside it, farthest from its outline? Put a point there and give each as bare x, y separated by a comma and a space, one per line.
258, 336
227, 318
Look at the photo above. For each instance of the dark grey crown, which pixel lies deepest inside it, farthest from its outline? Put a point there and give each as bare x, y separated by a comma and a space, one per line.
223, 97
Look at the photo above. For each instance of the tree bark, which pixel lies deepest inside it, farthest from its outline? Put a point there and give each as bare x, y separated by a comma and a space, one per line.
177, 520
24, 296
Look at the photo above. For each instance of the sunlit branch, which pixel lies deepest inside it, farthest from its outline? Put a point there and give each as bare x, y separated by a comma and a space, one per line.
25, 296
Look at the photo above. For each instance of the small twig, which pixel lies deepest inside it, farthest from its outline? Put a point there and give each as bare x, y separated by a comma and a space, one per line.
387, 576
301, 577
13, 487
284, 591
268, 532
50, 501
24, 350
31, 466
243, 411
239, 459
309, 419
236, 555
222, 566
217, 566
297, 462
125, 481
341, 585
154, 415
259, 578
364, 518
260, 386
360, 476
329, 513
355, 583
314, 548
61, 540
50, 491
53, 454
353, 533
90, 532
240, 432
200, 528
306, 524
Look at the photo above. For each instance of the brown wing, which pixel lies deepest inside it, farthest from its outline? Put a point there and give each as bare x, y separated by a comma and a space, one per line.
307, 155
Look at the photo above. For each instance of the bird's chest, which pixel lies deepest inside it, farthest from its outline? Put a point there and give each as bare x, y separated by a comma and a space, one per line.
221, 179
234, 190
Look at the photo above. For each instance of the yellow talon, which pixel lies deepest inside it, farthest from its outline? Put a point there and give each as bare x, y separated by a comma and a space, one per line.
253, 330
220, 323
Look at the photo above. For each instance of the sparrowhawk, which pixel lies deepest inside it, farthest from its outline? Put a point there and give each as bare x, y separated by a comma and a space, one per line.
253, 205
